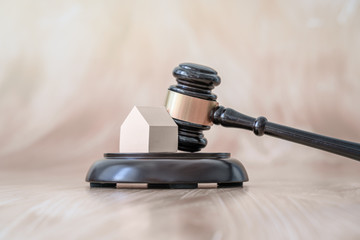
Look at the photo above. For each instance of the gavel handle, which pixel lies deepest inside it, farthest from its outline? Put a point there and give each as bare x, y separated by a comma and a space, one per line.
228, 117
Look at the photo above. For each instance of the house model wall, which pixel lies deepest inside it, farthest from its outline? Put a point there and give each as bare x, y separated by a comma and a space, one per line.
148, 129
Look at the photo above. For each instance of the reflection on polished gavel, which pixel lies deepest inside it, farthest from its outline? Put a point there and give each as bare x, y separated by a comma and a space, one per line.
194, 108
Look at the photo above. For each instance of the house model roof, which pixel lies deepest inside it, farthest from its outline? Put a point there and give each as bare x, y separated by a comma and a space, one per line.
154, 116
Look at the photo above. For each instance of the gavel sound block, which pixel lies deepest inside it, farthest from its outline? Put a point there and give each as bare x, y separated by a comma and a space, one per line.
151, 135
194, 109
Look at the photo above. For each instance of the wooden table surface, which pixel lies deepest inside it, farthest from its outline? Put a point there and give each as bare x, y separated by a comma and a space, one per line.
296, 203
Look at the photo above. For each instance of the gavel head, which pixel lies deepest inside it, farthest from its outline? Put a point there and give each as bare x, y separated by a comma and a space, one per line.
190, 103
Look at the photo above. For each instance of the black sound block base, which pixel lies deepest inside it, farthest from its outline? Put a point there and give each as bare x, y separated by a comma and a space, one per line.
167, 170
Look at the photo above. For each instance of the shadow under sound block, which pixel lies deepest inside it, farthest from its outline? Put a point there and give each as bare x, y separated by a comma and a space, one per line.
167, 170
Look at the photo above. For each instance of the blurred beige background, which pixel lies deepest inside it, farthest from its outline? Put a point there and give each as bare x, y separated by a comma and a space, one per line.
70, 71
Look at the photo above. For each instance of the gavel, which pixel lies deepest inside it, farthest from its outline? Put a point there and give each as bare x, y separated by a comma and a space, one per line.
194, 108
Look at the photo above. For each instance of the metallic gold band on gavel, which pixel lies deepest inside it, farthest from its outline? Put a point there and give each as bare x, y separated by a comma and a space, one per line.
190, 109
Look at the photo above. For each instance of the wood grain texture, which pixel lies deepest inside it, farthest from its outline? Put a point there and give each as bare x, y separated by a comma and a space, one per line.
57, 206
